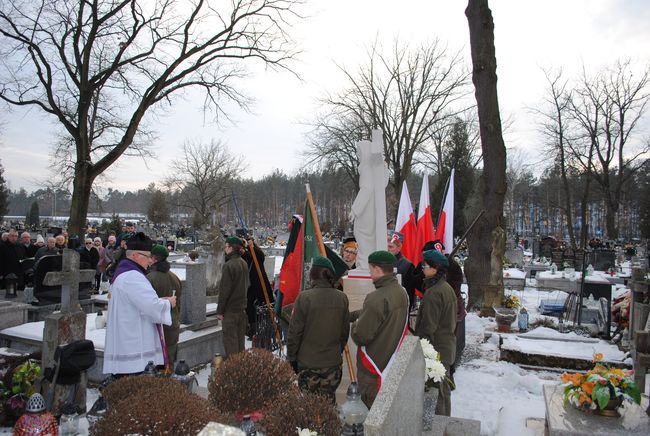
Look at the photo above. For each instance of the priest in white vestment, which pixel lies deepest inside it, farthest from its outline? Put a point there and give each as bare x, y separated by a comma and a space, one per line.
134, 309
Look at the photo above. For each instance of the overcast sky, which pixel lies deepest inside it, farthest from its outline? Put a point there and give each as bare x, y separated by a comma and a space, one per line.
528, 35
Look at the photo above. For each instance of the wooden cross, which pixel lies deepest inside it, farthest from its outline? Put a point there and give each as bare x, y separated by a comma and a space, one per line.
69, 278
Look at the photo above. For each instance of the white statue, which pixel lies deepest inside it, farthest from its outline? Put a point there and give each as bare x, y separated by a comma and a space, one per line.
369, 207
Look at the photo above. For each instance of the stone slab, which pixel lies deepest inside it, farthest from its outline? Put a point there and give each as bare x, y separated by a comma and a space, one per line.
193, 296
564, 420
12, 313
450, 426
397, 410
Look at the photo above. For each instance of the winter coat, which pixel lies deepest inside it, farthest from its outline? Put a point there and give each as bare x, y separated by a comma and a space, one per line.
436, 319
234, 285
319, 327
164, 282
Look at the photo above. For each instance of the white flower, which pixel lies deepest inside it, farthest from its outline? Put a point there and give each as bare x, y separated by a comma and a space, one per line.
428, 350
434, 369
306, 432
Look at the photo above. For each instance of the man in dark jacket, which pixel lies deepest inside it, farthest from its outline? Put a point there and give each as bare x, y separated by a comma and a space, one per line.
28, 247
404, 266
11, 254
166, 284
381, 326
89, 254
318, 332
231, 308
47, 250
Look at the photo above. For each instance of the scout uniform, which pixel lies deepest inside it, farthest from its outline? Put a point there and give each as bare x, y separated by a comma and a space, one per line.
380, 328
318, 333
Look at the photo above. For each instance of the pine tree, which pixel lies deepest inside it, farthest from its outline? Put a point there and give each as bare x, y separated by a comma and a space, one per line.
33, 217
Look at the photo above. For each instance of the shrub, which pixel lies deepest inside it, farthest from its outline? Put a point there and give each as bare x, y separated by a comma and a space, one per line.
250, 381
153, 406
301, 410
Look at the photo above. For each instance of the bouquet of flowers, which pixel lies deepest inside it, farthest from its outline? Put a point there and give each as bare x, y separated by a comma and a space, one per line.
594, 390
434, 371
511, 302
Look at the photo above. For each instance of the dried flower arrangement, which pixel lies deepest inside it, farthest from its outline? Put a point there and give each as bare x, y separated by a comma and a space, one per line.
153, 406
250, 381
299, 410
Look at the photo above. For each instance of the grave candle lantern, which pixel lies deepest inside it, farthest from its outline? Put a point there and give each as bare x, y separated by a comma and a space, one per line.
36, 420
353, 412
10, 285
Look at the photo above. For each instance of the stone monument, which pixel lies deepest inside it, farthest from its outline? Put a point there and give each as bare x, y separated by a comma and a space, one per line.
193, 297
369, 207
65, 326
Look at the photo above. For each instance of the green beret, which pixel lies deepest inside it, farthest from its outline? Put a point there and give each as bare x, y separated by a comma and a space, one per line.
323, 262
382, 257
160, 251
234, 240
435, 257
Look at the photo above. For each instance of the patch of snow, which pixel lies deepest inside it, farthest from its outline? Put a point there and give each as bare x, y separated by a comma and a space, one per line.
573, 350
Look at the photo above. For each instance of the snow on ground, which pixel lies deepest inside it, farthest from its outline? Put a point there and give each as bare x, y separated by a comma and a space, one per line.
499, 394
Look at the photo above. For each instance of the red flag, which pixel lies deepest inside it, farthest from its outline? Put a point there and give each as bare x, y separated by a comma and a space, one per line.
445, 231
406, 225
291, 271
425, 232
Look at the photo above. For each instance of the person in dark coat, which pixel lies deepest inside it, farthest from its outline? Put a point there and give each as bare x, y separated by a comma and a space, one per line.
380, 326
28, 248
47, 250
89, 254
404, 266
318, 332
231, 306
255, 294
166, 284
11, 253
436, 319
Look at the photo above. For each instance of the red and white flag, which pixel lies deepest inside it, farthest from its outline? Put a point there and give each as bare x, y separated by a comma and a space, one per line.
425, 232
406, 225
445, 231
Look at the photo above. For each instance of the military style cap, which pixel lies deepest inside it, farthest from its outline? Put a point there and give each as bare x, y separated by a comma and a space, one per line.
382, 257
160, 251
436, 257
323, 262
234, 240
139, 242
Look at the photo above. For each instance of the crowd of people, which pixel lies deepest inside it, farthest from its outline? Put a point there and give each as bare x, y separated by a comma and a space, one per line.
143, 318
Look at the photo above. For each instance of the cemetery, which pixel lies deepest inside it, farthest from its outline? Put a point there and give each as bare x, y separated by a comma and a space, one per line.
510, 297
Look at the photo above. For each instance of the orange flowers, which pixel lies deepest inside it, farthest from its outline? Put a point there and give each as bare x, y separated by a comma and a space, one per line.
575, 378
597, 357
588, 387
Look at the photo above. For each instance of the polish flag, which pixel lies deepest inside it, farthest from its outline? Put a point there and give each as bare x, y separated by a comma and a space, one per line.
445, 231
405, 224
425, 230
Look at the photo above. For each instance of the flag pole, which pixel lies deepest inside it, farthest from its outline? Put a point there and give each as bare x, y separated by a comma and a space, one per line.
278, 337
321, 248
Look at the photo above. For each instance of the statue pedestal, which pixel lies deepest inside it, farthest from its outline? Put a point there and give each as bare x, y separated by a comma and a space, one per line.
356, 286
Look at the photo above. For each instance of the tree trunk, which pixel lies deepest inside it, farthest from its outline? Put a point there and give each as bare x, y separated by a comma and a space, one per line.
82, 186
484, 272
610, 218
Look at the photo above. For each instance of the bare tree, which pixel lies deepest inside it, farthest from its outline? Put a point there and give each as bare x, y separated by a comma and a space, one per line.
204, 174
486, 241
608, 109
406, 94
99, 66
554, 118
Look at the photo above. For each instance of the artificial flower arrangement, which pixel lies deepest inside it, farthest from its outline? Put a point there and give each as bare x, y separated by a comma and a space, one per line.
511, 302
434, 370
595, 389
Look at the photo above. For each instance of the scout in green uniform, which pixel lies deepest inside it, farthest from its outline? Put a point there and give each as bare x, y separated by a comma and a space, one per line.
165, 282
231, 308
318, 332
381, 325
436, 319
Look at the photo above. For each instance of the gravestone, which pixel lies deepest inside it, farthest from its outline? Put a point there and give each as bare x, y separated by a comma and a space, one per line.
65, 326
193, 297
